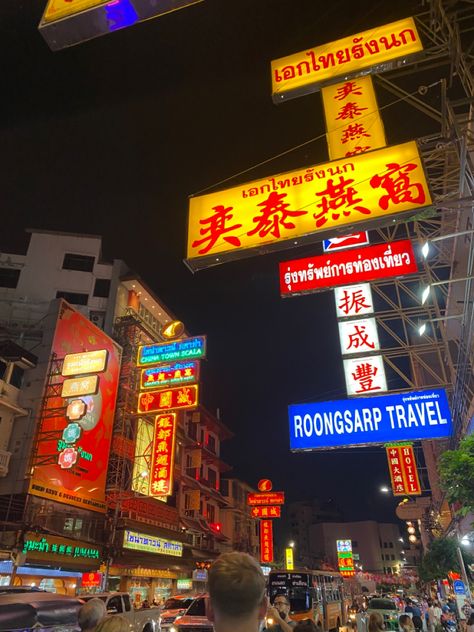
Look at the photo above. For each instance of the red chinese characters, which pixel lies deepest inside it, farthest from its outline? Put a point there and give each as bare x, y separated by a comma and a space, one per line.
266, 498
302, 276
162, 460
403, 470
266, 512
266, 541
365, 375
180, 398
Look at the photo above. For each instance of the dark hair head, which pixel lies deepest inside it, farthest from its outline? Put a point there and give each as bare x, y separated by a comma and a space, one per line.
306, 625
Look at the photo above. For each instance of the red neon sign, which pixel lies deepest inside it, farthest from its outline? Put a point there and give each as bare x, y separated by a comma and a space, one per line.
91, 580
266, 512
403, 472
302, 276
179, 398
162, 462
266, 498
266, 541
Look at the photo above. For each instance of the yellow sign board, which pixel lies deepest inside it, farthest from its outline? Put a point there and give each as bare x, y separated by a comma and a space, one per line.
305, 71
77, 386
87, 362
348, 107
305, 204
289, 563
57, 9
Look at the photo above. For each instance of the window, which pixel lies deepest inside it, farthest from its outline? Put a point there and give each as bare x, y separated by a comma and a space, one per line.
3, 368
16, 378
385, 546
115, 603
392, 556
73, 297
212, 477
9, 277
83, 263
390, 545
211, 513
198, 608
211, 443
102, 288
355, 544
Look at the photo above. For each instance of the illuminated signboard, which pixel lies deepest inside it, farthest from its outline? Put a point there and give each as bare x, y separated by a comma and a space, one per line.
186, 349
170, 375
151, 544
358, 336
289, 562
303, 276
403, 470
304, 72
265, 485
87, 362
348, 241
72, 445
349, 105
354, 300
365, 375
266, 541
184, 584
306, 205
266, 512
266, 498
39, 546
345, 558
162, 463
181, 398
91, 580
362, 421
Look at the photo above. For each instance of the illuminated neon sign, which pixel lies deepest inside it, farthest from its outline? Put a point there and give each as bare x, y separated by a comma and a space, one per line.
87, 362
170, 375
180, 398
151, 544
185, 349
162, 460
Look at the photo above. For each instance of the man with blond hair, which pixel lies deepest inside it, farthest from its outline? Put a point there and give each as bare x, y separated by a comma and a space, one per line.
237, 600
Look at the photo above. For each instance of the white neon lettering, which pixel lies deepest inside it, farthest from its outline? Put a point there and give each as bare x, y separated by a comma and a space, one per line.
412, 420
401, 419
307, 425
377, 414
317, 417
390, 410
366, 414
338, 423
358, 427
431, 414
349, 424
442, 420
328, 427
297, 425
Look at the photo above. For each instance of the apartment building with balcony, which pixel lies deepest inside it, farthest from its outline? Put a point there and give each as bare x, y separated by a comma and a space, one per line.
241, 529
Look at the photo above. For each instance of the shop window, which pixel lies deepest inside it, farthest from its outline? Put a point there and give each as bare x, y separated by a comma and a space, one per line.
102, 288
82, 263
75, 298
9, 277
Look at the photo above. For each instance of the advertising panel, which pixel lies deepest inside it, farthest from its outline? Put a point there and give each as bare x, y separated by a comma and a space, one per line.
151, 544
180, 398
88, 362
266, 541
91, 580
304, 72
76, 386
358, 336
266, 512
289, 563
403, 470
304, 276
348, 241
365, 375
50, 548
354, 300
177, 350
266, 498
370, 420
173, 374
162, 464
345, 558
305, 205
347, 105
74, 433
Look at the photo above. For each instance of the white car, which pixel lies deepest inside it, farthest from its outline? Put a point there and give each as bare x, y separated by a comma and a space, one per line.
143, 620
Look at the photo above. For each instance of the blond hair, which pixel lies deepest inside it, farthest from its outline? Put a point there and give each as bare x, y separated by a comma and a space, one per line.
236, 585
114, 623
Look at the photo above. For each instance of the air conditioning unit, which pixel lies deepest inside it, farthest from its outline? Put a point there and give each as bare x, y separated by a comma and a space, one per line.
98, 318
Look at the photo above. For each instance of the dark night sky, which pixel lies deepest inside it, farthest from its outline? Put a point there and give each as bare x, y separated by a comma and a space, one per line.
110, 137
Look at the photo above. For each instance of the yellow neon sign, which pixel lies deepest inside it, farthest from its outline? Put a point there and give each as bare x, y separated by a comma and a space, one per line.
289, 559
78, 386
57, 9
87, 362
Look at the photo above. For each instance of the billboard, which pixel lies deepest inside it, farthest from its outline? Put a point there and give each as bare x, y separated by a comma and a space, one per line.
178, 350
306, 205
304, 72
380, 261
171, 374
403, 470
179, 398
266, 498
74, 431
162, 463
151, 544
370, 420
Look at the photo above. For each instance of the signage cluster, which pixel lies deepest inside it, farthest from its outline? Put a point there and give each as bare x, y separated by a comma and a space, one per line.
266, 504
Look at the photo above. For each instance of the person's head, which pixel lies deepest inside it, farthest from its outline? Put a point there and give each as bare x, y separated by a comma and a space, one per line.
406, 623
470, 620
375, 622
114, 623
236, 590
408, 601
91, 613
282, 604
307, 625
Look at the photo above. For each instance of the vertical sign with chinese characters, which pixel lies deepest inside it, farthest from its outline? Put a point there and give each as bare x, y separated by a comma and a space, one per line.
266, 541
345, 558
403, 471
161, 477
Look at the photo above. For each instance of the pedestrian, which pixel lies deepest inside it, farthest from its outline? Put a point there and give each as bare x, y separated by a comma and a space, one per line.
470, 623
412, 608
434, 617
376, 622
113, 623
145, 604
91, 614
237, 600
406, 623
306, 625
279, 614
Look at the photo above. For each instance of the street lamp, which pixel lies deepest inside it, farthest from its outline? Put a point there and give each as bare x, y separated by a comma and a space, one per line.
291, 544
426, 290
425, 249
422, 325
384, 489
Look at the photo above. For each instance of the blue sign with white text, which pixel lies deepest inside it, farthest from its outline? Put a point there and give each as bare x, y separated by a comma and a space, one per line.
368, 420
459, 587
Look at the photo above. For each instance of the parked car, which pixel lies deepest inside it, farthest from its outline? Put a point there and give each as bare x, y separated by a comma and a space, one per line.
174, 607
194, 620
143, 620
38, 610
387, 608
11, 590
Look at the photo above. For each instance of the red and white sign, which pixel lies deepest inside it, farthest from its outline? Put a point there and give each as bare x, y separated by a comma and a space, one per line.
266, 512
266, 498
303, 276
365, 375
162, 460
179, 398
348, 241
354, 300
265, 485
358, 336
91, 580
266, 541
403, 471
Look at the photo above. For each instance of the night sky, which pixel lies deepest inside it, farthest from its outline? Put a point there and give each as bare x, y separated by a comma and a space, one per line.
112, 136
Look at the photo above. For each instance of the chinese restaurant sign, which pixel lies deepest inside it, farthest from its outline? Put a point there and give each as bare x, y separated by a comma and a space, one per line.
307, 205
266, 512
75, 430
355, 300
302, 276
345, 558
266, 541
173, 374
403, 471
61, 550
365, 375
180, 398
304, 72
363, 421
162, 464
266, 498
151, 544
351, 106
177, 350
359, 335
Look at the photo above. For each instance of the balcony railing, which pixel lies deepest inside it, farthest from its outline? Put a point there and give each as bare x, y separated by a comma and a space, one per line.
4, 462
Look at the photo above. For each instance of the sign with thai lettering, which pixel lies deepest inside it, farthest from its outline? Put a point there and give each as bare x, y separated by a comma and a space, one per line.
403, 470
289, 562
305, 72
358, 336
354, 300
266, 512
151, 544
179, 398
266, 498
348, 241
162, 463
87, 362
185, 349
38, 546
365, 375
370, 420
266, 541
305, 205
303, 276
171, 374
347, 106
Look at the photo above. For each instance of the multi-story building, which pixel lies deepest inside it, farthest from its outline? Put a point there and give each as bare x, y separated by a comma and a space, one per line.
238, 525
